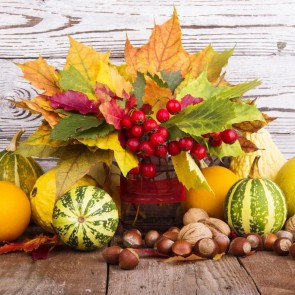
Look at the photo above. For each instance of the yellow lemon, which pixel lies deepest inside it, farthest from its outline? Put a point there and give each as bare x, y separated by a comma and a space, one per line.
286, 181
220, 180
43, 197
15, 211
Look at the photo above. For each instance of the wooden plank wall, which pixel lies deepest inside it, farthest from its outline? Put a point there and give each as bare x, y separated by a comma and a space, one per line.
262, 33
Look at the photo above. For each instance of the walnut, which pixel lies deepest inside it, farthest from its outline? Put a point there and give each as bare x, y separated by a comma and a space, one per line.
193, 232
290, 225
217, 226
194, 215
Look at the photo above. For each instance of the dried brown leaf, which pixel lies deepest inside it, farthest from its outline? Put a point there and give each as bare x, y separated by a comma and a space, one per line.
247, 145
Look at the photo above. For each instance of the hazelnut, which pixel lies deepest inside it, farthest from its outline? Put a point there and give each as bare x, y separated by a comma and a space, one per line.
174, 229
285, 234
128, 259
292, 250
182, 248
164, 245
111, 254
268, 240
171, 235
240, 246
223, 242
151, 238
281, 246
255, 241
132, 238
206, 248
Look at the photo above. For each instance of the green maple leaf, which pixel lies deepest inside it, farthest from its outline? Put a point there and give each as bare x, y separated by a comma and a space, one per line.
172, 79
72, 79
138, 88
226, 150
72, 125
188, 172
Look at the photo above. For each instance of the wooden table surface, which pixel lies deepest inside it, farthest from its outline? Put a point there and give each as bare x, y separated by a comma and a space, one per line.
263, 34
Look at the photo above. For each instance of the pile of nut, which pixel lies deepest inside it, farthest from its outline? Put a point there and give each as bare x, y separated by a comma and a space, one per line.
201, 235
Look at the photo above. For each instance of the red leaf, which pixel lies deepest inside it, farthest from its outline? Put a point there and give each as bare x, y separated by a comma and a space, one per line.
104, 93
189, 99
31, 245
74, 101
131, 103
112, 113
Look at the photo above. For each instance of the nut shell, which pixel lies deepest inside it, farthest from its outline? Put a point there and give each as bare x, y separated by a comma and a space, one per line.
268, 241
132, 238
128, 259
240, 246
151, 238
223, 242
285, 234
281, 246
217, 226
193, 215
292, 250
111, 254
164, 245
290, 225
193, 232
182, 248
206, 248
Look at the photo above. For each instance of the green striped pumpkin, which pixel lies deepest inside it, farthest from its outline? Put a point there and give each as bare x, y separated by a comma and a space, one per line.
20, 170
85, 218
255, 205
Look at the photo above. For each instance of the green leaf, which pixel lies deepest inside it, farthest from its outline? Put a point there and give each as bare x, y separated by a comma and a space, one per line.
237, 91
95, 132
72, 79
188, 172
138, 87
69, 126
77, 162
173, 79
200, 87
226, 150
158, 80
209, 116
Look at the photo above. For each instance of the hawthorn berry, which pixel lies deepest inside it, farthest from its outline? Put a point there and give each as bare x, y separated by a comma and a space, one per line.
229, 136
133, 145
162, 115
173, 106
146, 149
157, 139
161, 151
186, 143
173, 148
198, 151
215, 139
150, 125
126, 122
148, 170
137, 130
138, 117
135, 170
162, 130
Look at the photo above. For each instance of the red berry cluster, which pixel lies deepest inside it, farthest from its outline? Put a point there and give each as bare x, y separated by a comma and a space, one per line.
146, 138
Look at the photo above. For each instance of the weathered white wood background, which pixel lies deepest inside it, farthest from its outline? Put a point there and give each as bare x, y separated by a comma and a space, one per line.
262, 32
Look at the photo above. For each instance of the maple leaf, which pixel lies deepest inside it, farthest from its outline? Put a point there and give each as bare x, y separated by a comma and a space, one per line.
41, 75
247, 145
122, 86
210, 60
34, 107
155, 95
74, 101
31, 245
125, 160
85, 59
188, 172
76, 162
163, 51
112, 113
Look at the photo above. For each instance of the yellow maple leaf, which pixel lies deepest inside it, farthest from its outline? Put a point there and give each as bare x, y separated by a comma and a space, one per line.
155, 95
163, 51
41, 75
210, 60
125, 160
121, 84
85, 59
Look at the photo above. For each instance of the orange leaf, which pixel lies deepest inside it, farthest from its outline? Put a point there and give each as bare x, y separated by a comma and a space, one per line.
34, 106
155, 95
163, 51
130, 57
28, 245
41, 75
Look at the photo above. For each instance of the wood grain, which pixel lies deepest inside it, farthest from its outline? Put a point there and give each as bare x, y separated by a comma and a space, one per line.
273, 274
152, 276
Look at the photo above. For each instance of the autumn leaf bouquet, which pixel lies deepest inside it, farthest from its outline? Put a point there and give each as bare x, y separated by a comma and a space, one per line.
163, 102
